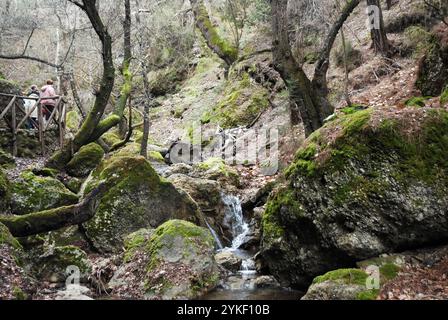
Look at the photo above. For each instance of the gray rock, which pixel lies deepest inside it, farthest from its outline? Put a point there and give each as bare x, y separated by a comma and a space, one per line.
229, 261
360, 187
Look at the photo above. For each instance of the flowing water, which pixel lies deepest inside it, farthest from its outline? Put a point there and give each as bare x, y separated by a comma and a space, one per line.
241, 286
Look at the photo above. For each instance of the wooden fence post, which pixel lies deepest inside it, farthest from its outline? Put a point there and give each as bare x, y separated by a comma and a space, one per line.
14, 130
41, 128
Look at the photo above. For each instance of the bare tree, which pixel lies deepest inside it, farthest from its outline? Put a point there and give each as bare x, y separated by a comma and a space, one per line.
308, 98
380, 42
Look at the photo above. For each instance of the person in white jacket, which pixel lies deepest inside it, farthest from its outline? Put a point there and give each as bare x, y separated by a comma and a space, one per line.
29, 104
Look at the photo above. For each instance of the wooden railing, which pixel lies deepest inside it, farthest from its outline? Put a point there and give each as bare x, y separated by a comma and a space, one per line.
58, 116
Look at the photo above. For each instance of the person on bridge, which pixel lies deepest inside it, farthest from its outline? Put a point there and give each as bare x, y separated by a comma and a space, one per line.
29, 104
48, 104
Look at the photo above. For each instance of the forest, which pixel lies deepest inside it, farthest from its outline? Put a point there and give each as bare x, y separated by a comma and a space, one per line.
224, 150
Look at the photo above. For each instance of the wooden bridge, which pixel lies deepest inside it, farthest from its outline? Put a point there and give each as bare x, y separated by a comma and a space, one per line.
16, 106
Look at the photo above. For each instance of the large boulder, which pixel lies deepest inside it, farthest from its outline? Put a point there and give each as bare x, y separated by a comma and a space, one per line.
173, 262
208, 195
85, 160
5, 194
368, 183
32, 193
433, 69
15, 283
137, 198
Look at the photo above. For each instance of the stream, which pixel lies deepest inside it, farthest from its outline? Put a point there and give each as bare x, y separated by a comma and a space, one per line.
241, 285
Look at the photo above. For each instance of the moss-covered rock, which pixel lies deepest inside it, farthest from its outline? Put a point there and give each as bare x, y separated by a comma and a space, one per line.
52, 265
207, 194
243, 101
173, 262
6, 159
216, 169
433, 70
342, 284
85, 160
137, 198
167, 80
365, 184
32, 193
73, 121
5, 193
15, 282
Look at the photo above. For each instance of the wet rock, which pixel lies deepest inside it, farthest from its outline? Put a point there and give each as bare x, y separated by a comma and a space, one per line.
74, 293
229, 261
264, 282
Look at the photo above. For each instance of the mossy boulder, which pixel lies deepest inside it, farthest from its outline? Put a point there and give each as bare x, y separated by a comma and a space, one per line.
367, 183
53, 264
5, 193
6, 159
216, 169
137, 198
343, 284
32, 193
85, 160
207, 194
432, 76
173, 262
243, 101
15, 282
73, 121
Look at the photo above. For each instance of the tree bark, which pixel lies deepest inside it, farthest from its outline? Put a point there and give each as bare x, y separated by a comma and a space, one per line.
305, 103
323, 61
55, 219
380, 42
221, 47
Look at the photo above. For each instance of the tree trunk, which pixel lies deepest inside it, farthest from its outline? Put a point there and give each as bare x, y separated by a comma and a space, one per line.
221, 47
323, 61
305, 103
380, 42
94, 126
55, 219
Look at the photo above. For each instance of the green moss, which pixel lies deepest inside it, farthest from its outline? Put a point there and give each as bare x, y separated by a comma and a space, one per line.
418, 102
7, 238
111, 138
167, 80
6, 159
33, 193
73, 121
46, 172
368, 295
168, 233
85, 160
417, 41
241, 104
389, 271
5, 193
136, 241
353, 109
444, 97
214, 41
19, 294
155, 156
346, 276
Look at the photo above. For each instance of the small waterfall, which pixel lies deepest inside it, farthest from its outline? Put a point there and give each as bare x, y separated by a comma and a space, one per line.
234, 218
240, 229
215, 236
